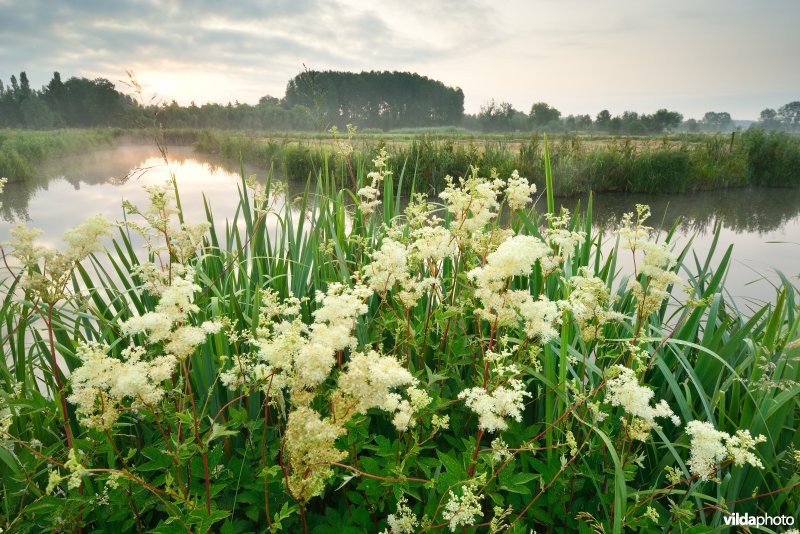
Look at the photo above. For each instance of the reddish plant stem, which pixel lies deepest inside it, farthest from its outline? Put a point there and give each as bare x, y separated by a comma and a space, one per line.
203, 451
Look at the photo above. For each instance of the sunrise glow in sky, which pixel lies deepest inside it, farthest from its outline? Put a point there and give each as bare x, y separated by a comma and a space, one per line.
579, 55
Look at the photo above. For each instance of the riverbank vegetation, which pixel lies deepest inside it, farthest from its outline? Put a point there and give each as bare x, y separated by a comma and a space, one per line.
21, 152
669, 164
652, 165
337, 363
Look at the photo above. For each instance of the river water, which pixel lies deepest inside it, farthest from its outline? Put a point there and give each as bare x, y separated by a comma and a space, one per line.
762, 224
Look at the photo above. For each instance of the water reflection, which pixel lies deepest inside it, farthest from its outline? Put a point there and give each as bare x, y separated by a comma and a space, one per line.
755, 210
96, 180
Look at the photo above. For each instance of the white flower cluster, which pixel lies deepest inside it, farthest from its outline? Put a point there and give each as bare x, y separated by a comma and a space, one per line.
461, 511
656, 262
3, 182
624, 390
432, 244
401, 265
500, 452
102, 383
183, 239
403, 521
473, 201
310, 444
710, 446
493, 408
330, 332
518, 191
558, 233
47, 271
368, 383
515, 256
506, 398
389, 267
589, 303
174, 308
369, 195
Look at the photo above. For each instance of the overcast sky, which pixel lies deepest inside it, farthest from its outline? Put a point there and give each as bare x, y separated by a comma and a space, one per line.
580, 56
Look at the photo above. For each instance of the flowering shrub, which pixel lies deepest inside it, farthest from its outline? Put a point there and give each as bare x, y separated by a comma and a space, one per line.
346, 376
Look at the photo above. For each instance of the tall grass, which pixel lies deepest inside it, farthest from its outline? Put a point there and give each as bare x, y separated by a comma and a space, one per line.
22, 151
668, 165
709, 360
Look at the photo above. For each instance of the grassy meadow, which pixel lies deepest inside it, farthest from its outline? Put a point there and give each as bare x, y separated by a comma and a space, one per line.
335, 363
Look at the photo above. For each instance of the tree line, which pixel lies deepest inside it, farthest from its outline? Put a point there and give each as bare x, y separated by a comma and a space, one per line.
376, 99
317, 100
502, 117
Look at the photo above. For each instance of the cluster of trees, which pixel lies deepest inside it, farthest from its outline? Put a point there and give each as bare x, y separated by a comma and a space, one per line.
786, 118
78, 102
270, 114
502, 117
375, 99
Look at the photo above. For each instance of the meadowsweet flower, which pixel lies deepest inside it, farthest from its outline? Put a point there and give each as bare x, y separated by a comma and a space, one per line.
539, 317
558, 235
473, 202
656, 262
569, 440
493, 408
500, 451
461, 511
53, 480
390, 267
518, 191
102, 383
310, 447
331, 332
440, 422
707, 448
369, 194
47, 271
76, 469
624, 390
404, 416
6, 420
514, 257
432, 243
86, 238
589, 301
403, 521
498, 522
710, 446
367, 382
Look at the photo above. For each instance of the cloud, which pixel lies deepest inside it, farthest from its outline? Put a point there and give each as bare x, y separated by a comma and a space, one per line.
577, 54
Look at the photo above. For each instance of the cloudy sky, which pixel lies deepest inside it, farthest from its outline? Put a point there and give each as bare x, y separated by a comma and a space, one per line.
581, 56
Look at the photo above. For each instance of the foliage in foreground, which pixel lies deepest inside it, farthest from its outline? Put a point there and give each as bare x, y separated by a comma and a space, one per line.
318, 367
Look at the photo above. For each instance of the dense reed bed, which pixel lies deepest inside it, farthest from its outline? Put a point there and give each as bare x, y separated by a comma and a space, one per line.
673, 164
336, 363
